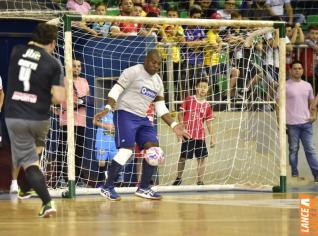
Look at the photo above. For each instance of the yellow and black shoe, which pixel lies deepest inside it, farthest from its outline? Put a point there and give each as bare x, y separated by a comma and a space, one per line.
47, 210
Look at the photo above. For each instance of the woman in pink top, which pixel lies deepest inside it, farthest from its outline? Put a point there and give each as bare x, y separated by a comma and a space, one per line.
81, 102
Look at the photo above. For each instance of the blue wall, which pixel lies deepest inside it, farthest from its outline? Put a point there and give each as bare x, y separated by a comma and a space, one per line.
12, 32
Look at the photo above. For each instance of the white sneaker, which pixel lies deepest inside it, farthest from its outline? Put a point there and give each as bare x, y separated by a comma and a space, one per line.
14, 187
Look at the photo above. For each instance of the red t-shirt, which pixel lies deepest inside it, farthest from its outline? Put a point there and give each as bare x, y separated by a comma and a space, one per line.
194, 114
127, 27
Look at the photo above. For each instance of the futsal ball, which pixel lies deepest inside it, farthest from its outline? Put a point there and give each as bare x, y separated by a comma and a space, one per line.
154, 156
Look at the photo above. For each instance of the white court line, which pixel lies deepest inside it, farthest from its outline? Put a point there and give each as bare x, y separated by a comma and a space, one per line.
273, 203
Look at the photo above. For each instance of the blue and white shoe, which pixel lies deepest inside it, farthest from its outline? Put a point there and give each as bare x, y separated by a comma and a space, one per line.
110, 194
148, 193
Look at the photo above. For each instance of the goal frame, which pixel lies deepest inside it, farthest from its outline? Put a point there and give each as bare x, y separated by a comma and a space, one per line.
68, 19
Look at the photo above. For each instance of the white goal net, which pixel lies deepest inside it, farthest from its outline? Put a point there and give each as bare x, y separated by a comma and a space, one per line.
238, 59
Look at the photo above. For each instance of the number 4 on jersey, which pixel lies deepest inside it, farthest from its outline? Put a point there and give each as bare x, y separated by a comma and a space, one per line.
26, 68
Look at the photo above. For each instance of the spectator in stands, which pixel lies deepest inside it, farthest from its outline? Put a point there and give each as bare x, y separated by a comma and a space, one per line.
138, 10
310, 56
80, 6
215, 68
81, 102
152, 6
240, 41
229, 8
126, 8
256, 10
195, 40
296, 37
98, 28
194, 112
295, 34
271, 62
208, 8
173, 35
153, 30
276, 9
272, 57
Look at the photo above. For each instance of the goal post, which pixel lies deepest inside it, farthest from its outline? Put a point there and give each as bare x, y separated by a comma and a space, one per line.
250, 151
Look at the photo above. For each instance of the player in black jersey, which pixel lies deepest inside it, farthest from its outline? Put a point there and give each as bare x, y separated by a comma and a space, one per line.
35, 80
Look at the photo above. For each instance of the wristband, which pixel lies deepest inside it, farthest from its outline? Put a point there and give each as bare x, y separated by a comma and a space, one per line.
173, 124
108, 107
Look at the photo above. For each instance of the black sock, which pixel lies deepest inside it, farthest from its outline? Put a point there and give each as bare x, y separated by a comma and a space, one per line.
147, 172
36, 180
113, 171
101, 174
23, 182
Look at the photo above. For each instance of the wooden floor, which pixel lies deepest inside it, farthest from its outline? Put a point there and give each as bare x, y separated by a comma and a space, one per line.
211, 214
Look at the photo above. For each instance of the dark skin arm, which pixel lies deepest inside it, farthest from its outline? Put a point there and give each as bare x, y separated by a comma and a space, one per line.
99, 115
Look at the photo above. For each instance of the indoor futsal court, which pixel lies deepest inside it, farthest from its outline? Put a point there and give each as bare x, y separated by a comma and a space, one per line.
219, 84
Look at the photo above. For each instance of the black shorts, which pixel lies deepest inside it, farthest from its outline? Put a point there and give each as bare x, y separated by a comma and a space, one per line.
196, 147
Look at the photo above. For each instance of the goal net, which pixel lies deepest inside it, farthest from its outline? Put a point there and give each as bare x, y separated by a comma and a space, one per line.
242, 63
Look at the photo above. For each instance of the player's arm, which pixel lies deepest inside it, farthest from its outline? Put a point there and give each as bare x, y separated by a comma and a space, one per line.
113, 95
163, 112
313, 110
58, 90
212, 138
314, 104
58, 94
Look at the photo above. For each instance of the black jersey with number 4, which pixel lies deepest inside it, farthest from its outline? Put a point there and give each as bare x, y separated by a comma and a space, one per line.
32, 73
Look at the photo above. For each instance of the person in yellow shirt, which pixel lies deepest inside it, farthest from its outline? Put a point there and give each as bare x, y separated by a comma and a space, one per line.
215, 67
173, 36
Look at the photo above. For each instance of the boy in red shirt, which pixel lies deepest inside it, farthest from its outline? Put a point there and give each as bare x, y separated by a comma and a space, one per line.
194, 112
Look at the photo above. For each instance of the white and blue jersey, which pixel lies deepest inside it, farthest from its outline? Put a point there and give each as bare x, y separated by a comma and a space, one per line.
130, 118
105, 141
140, 89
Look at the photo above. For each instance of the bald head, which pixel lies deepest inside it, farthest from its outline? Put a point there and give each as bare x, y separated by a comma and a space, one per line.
153, 62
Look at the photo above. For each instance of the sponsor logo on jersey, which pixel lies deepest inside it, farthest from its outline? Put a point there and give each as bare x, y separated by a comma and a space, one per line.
148, 92
101, 152
24, 97
33, 54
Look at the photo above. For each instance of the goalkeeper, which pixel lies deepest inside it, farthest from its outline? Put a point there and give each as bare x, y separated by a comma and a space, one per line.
135, 89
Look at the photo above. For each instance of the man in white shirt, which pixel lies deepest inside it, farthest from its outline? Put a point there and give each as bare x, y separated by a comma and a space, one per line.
276, 9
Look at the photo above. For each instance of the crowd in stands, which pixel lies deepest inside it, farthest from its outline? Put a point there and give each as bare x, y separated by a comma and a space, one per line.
194, 45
